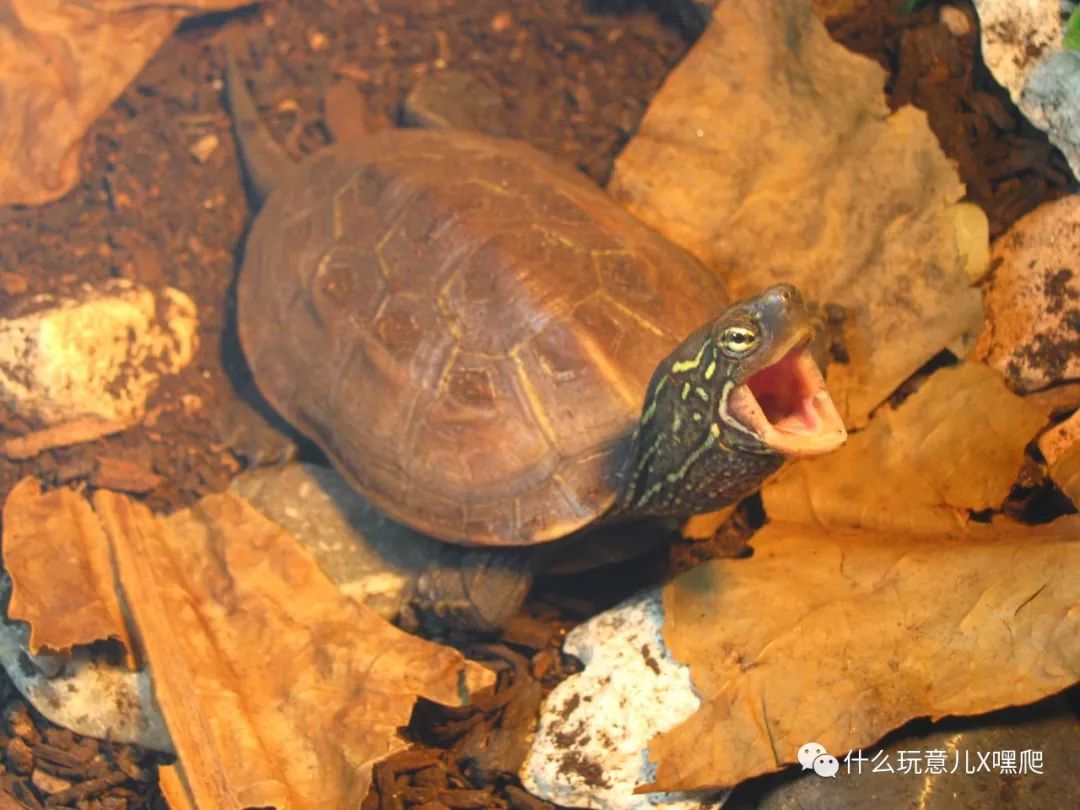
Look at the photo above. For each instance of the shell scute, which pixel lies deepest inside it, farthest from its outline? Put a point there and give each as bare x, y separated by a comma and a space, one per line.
337, 292
479, 433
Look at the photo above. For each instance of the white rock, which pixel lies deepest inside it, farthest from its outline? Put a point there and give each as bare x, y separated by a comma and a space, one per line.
1051, 99
591, 748
972, 239
83, 693
1032, 332
1016, 35
1022, 47
102, 354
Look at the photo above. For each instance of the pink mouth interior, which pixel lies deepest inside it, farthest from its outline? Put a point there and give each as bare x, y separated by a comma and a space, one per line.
788, 408
785, 395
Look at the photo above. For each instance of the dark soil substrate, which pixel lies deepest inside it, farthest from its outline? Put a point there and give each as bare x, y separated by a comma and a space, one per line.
576, 76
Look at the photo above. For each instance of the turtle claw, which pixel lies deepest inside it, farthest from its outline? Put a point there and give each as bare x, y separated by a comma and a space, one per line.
477, 590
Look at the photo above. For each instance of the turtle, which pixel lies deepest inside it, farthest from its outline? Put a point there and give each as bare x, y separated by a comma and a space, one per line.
497, 354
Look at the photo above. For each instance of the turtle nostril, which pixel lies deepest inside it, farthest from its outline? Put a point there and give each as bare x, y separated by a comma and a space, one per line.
789, 295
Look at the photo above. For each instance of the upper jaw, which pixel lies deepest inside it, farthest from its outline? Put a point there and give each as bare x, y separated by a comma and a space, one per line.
786, 405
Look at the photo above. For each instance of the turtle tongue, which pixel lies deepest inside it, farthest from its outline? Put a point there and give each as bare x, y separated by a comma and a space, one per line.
784, 394
787, 406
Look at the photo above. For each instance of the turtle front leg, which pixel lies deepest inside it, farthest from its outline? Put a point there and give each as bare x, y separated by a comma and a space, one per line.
477, 589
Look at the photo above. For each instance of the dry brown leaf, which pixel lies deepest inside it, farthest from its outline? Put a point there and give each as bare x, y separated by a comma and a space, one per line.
277, 689
173, 789
62, 579
771, 154
62, 62
953, 447
837, 636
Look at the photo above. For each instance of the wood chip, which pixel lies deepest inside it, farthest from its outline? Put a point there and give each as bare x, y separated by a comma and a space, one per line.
79, 431
20, 792
20, 723
48, 783
525, 631
61, 761
124, 476
85, 790
18, 756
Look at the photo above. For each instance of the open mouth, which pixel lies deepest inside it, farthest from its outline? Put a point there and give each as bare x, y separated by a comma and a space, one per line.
787, 406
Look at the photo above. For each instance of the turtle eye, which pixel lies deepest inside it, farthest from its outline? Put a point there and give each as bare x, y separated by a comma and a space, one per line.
738, 339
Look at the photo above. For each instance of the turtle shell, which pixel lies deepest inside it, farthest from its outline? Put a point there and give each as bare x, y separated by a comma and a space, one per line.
465, 326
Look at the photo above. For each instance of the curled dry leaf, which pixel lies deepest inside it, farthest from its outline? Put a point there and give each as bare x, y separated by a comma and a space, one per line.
827, 189
62, 579
278, 690
1060, 447
955, 446
839, 635
62, 62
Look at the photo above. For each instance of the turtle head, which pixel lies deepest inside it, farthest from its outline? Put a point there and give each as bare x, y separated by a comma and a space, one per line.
772, 396
727, 407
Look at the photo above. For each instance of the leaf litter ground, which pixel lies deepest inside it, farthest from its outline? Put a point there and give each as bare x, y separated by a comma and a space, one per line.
153, 205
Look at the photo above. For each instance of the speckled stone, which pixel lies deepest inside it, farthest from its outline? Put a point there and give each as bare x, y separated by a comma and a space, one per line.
100, 354
1032, 332
590, 749
1016, 35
